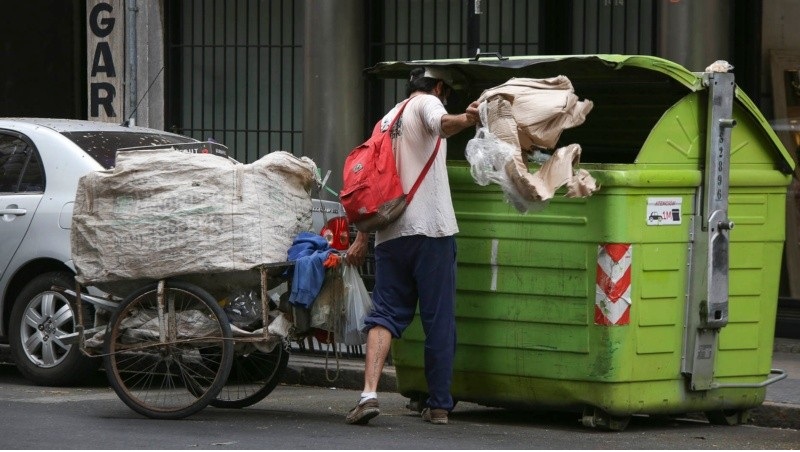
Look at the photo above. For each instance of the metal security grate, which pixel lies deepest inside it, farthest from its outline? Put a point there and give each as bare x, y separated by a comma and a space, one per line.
234, 73
613, 26
401, 30
235, 67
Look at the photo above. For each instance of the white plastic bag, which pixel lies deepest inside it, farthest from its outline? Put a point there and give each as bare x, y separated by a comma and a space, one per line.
357, 305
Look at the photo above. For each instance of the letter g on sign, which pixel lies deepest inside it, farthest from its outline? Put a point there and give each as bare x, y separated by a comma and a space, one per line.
104, 26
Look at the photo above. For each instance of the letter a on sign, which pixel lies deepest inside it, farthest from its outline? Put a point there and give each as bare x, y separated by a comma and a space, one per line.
105, 39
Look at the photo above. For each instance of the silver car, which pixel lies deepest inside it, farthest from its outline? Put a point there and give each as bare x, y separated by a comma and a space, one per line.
41, 161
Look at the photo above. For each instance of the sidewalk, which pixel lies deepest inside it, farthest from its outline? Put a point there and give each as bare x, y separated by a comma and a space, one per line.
782, 405
781, 409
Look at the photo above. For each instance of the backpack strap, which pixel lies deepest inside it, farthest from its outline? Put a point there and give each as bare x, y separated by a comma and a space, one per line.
397, 116
428, 165
410, 194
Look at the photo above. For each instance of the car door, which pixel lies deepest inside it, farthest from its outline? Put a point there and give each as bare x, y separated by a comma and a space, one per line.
21, 190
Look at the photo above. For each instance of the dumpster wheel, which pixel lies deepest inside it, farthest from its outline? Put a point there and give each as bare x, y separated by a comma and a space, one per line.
728, 417
597, 418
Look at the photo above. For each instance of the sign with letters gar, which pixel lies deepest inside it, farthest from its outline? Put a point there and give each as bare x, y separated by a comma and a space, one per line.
105, 39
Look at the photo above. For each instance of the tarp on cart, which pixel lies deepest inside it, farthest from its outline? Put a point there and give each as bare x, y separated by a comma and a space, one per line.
161, 213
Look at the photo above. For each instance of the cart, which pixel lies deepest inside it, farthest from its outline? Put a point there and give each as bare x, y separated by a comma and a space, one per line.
165, 249
169, 350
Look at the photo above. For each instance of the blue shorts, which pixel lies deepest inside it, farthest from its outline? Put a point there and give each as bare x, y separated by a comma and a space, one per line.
409, 269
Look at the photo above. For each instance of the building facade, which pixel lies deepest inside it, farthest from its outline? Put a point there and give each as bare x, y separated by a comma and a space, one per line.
266, 75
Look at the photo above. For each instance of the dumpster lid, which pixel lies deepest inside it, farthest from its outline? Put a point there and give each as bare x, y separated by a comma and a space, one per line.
484, 67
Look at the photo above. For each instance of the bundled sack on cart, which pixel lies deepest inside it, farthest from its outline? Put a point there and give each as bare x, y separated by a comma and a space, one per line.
518, 119
162, 213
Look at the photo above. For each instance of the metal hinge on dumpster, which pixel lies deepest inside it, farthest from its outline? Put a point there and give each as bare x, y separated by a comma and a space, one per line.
707, 297
707, 294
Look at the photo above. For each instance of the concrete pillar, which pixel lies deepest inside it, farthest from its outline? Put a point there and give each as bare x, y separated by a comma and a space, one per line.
333, 102
695, 33
149, 63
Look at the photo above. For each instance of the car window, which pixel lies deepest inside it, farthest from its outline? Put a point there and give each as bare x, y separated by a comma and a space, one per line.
102, 146
32, 180
14, 161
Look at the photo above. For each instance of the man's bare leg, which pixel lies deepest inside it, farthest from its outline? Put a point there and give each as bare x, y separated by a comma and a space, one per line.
378, 341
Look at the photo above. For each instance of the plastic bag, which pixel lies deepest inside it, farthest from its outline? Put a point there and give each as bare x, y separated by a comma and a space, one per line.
244, 308
358, 304
489, 157
328, 307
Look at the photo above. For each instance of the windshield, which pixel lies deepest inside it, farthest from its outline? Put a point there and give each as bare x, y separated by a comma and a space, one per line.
103, 145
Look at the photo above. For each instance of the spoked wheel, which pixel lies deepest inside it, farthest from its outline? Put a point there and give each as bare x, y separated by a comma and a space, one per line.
254, 374
168, 357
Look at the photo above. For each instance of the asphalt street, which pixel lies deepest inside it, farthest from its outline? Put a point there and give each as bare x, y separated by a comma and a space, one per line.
312, 417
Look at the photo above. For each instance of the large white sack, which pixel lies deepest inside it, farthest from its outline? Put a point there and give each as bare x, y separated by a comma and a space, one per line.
162, 213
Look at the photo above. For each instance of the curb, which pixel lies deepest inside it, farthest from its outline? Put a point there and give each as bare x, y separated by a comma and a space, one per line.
784, 345
343, 374
776, 415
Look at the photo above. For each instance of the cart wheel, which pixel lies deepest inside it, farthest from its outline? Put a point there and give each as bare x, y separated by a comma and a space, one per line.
597, 418
169, 361
254, 374
728, 417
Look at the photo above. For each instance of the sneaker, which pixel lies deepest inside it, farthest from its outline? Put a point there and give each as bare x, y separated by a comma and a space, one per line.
434, 415
363, 412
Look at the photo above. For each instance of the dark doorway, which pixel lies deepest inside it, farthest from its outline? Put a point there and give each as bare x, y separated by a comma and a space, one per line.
43, 50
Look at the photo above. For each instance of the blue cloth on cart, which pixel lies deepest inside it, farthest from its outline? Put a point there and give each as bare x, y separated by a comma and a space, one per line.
309, 251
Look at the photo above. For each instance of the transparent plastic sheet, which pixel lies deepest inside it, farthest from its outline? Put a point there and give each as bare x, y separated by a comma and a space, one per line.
488, 157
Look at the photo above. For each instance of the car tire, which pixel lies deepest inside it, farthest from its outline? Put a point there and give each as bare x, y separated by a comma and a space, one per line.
39, 358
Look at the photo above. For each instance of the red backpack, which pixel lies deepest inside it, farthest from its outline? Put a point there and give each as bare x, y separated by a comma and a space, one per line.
372, 194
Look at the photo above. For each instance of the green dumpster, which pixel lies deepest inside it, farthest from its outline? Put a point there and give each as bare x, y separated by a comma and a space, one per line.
657, 294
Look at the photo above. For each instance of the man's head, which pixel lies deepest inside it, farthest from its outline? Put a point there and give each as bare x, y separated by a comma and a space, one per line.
432, 80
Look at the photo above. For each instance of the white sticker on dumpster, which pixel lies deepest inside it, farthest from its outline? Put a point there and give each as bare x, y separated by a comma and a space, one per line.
663, 211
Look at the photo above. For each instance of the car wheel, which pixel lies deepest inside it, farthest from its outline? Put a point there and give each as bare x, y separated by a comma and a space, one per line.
39, 317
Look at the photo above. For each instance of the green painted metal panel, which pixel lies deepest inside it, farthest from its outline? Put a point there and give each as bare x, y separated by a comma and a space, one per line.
526, 288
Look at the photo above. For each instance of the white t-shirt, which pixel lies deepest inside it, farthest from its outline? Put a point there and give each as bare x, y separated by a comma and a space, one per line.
430, 213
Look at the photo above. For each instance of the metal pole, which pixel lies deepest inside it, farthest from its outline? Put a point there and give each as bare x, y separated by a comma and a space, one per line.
473, 27
130, 60
695, 33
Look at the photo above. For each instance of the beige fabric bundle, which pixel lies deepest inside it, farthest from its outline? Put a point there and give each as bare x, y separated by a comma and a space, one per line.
526, 114
540, 108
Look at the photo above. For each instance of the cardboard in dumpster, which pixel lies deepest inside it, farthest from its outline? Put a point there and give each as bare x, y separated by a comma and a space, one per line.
518, 118
160, 213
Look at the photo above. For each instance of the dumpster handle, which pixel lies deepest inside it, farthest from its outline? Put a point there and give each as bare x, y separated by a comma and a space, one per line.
780, 375
494, 54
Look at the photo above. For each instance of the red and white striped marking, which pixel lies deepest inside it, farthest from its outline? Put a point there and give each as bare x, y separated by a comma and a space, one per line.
612, 304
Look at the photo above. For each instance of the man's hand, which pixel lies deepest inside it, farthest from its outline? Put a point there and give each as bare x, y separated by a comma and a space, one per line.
472, 113
452, 124
358, 250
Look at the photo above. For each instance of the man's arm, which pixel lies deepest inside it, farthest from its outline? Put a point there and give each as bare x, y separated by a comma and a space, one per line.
357, 251
452, 124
